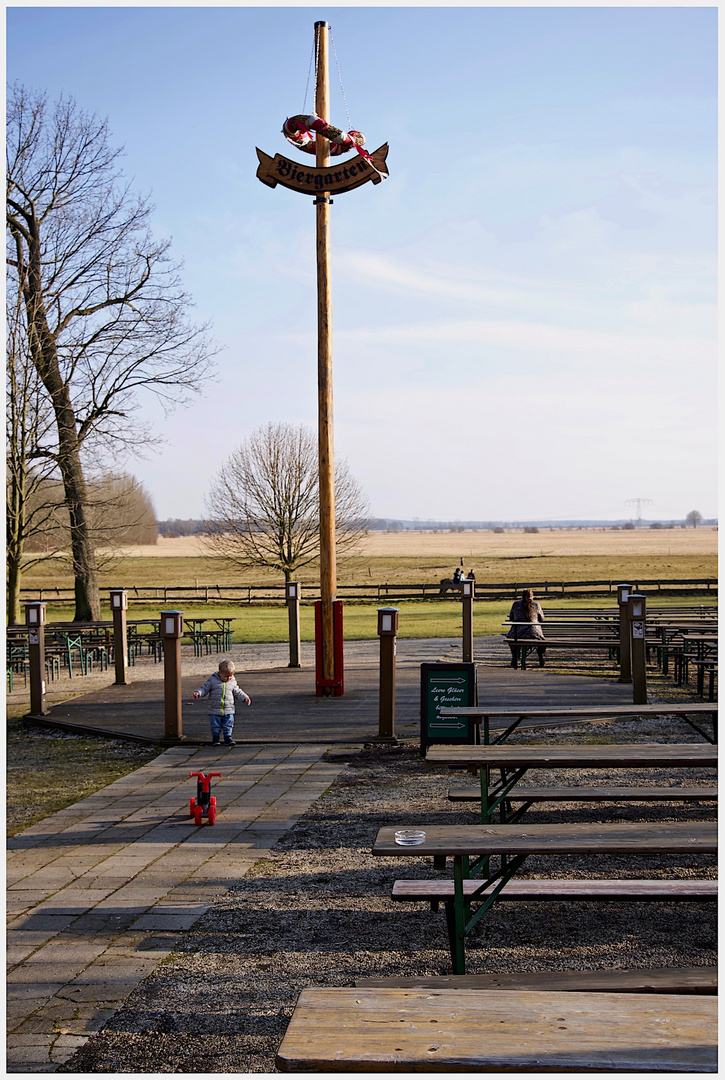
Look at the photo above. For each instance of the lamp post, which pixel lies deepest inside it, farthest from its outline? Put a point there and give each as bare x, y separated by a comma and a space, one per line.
388, 632
119, 604
35, 622
468, 586
625, 649
637, 623
172, 631
293, 609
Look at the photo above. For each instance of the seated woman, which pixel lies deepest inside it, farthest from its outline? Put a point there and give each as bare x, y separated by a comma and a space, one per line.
526, 610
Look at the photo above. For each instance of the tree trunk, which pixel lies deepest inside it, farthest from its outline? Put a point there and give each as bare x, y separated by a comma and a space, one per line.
45, 358
14, 540
12, 599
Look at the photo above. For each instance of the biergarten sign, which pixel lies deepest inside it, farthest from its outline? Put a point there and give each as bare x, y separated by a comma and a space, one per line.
342, 176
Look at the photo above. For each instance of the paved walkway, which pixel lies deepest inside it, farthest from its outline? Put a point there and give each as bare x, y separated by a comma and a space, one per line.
100, 892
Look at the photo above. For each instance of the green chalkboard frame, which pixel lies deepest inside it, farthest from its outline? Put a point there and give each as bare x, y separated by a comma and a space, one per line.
447, 684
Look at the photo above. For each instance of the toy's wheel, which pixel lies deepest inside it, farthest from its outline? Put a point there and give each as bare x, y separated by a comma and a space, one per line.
197, 815
192, 807
212, 801
212, 814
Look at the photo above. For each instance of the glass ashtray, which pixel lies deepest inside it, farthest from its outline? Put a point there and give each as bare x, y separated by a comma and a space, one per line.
409, 837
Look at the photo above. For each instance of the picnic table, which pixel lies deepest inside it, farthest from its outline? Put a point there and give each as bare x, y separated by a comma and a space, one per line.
700, 650
218, 635
343, 1029
483, 714
472, 846
514, 761
68, 643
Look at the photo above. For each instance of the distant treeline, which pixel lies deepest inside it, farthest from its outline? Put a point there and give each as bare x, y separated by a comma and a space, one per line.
418, 525
118, 508
192, 527
180, 527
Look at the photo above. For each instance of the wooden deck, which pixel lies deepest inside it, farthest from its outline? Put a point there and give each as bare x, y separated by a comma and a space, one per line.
285, 708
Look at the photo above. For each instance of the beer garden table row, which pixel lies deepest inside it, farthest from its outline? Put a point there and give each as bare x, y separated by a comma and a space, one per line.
84, 645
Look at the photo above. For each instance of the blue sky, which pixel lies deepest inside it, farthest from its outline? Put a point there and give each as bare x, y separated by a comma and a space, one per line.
524, 314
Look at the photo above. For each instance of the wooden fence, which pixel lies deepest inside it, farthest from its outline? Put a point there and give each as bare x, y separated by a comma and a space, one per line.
380, 594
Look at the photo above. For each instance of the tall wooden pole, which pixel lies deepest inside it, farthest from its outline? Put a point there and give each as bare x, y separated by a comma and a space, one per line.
328, 568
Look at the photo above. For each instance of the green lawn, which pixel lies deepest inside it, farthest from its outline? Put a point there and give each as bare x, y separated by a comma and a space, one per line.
423, 619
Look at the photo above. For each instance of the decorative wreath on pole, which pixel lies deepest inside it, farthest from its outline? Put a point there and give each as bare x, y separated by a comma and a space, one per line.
298, 131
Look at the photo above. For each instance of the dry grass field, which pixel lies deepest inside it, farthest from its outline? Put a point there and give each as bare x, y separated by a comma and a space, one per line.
553, 555
479, 545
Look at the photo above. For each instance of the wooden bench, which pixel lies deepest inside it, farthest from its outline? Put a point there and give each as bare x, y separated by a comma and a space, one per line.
524, 645
621, 890
672, 980
578, 890
606, 793
358, 1029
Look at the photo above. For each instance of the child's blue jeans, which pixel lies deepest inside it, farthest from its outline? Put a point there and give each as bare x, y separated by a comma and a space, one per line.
221, 724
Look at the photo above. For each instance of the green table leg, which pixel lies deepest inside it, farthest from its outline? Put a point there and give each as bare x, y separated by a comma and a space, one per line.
458, 952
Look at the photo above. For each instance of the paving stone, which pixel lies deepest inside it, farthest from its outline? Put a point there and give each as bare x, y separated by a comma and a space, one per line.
65, 951
113, 991
159, 920
48, 924
65, 1045
32, 1067
21, 986
72, 901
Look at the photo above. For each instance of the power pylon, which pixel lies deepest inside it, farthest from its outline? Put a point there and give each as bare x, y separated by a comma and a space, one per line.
639, 503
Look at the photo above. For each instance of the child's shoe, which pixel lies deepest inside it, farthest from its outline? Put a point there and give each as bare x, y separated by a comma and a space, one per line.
215, 742
229, 742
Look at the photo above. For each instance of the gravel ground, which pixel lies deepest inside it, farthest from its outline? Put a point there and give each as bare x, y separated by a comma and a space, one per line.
316, 911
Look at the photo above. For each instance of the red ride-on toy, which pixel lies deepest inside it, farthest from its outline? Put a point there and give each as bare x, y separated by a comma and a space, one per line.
204, 804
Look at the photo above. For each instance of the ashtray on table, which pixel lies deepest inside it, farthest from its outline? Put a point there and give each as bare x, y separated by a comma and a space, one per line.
409, 837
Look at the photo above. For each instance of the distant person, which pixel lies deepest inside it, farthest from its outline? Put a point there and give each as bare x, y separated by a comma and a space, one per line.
526, 610
471, 575
222, 690
457, 575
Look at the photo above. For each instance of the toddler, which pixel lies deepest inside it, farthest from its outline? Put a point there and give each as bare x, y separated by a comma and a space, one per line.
223, 691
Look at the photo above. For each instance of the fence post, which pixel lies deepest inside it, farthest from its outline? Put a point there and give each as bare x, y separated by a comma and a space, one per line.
468, 590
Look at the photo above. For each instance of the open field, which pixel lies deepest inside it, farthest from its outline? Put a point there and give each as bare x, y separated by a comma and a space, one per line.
482, 544
416, 557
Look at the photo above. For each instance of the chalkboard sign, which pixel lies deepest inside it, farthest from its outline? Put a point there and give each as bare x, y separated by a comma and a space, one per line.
445, 686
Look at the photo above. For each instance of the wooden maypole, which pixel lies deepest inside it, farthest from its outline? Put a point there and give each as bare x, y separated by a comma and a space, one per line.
324, 181
323, 202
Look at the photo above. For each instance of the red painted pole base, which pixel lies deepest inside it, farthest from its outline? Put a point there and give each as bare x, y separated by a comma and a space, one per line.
337, 682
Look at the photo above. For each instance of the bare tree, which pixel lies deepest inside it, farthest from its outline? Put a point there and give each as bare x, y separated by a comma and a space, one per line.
694, 518
105, 313
264, 505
